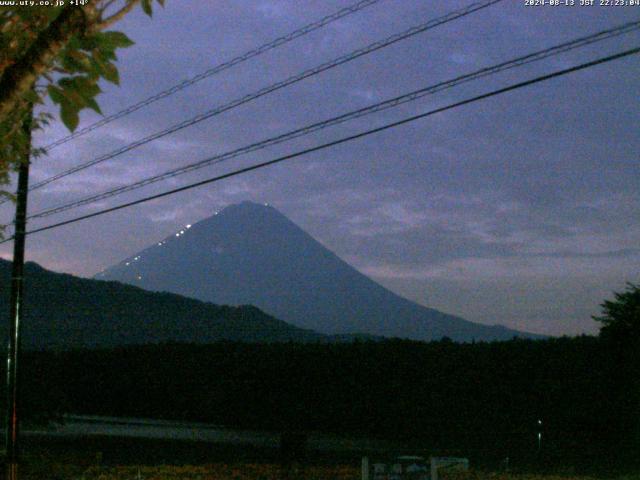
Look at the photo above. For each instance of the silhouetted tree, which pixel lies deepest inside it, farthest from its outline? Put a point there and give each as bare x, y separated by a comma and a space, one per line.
620, 318
620, 335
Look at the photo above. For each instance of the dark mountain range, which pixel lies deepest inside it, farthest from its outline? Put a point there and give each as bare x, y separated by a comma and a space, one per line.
252, 254
64, 311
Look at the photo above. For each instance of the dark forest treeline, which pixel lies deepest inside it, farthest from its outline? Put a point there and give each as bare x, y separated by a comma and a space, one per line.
63, 311
478, 399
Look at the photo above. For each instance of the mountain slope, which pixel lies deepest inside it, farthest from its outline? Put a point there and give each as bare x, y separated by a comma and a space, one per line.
252, 254
66, 311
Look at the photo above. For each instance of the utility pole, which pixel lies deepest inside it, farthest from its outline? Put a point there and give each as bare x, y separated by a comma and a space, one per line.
16, 303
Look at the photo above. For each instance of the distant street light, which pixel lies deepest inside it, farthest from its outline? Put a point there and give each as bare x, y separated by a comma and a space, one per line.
539, 436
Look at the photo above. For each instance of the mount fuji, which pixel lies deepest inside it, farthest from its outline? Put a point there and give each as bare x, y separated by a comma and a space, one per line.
252, 254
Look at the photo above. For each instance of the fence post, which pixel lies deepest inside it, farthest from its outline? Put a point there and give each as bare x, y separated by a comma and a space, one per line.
434, 469
365, 468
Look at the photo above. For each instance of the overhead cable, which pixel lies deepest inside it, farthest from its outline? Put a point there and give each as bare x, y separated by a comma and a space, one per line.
311, 27
342, 140
377, 107
274, 87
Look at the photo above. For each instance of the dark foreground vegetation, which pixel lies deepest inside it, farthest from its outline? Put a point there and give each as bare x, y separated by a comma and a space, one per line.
63, 311
480, 400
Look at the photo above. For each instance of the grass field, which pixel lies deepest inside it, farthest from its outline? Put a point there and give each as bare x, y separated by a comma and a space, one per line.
218, 471
244, 471
160, 460
472, 475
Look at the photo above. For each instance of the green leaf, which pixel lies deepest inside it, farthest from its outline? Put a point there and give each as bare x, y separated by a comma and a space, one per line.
98, 67
79, 88
146, 7
87, 87
76, 61
69, 115
89, 42
32, 96
76, 43
56, 94
73, 94
93, 105
117, 39
103, 54
110, 73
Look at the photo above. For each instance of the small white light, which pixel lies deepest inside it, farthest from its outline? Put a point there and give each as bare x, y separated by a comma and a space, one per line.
127, 264
177, 234
139, 277
189, 226
181, 232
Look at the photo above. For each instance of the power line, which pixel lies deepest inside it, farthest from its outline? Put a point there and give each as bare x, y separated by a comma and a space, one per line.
276, 86
300, 153
374, 108
311, 27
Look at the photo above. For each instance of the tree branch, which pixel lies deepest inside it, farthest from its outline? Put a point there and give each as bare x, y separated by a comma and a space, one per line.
116, 16
106, 5
19, 77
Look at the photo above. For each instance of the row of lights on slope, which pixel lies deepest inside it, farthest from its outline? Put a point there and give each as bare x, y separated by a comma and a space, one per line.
181, 232
160, 244
134, 260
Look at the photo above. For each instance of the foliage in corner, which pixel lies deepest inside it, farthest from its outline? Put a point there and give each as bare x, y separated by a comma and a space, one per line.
67, 51
620, 319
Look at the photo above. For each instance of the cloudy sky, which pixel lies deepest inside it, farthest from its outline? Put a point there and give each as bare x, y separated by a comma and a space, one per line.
520, 210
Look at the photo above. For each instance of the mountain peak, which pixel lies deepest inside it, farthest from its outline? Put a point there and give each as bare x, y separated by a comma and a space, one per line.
250, 253
243, 209
247, 205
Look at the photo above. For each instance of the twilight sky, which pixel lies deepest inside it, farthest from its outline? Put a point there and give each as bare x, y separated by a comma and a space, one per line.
520, 210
